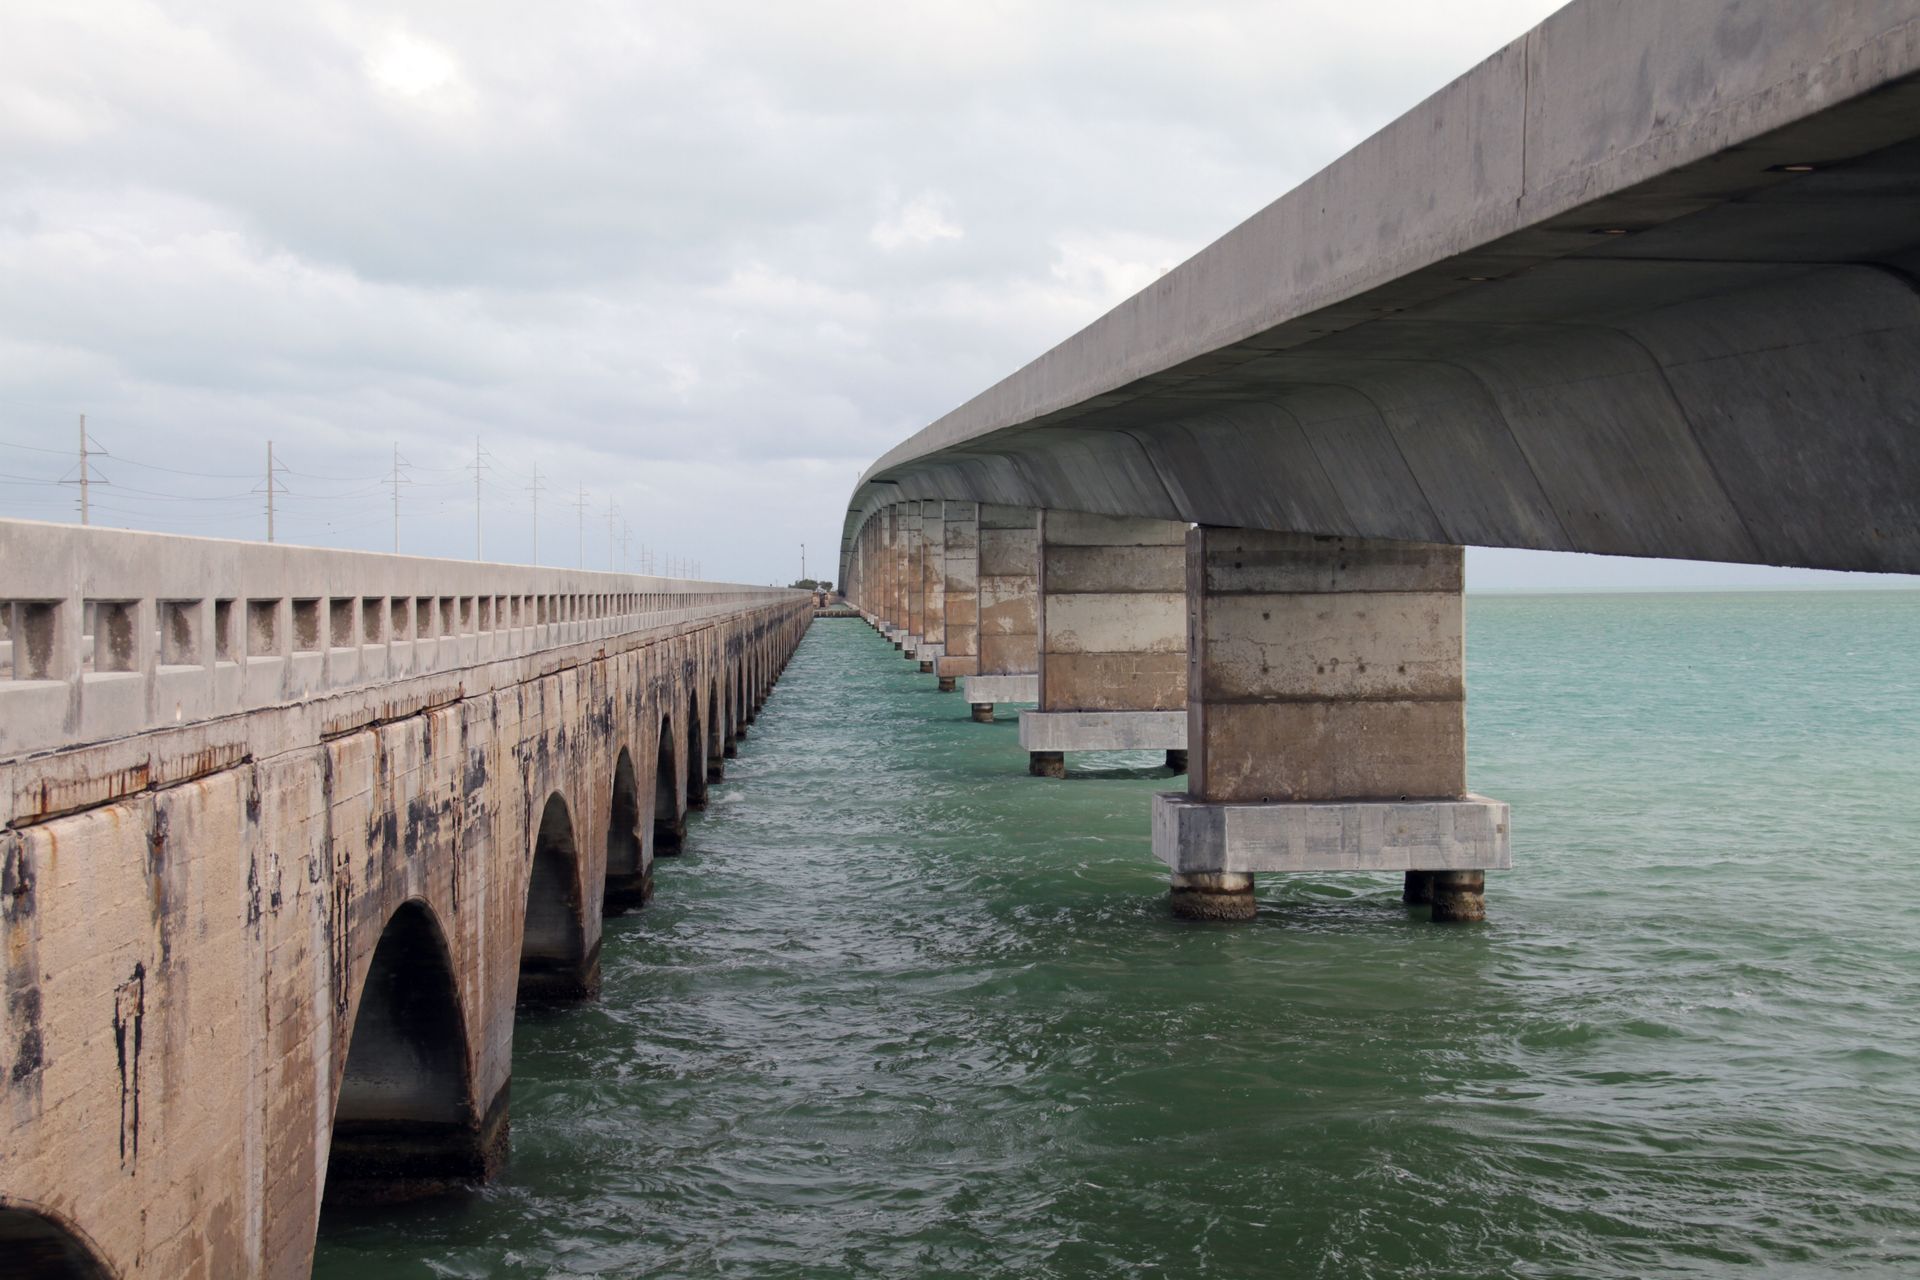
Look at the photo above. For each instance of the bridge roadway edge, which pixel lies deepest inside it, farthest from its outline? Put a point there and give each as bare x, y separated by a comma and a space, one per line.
191, 916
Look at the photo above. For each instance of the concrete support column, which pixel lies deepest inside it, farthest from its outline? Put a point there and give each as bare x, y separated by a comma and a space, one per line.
916, 580
933, 585
1112, 638
1326, 707
960, 594
896, 573
1009, 610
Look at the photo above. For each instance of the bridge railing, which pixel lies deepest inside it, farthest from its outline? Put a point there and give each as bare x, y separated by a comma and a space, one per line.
107, 632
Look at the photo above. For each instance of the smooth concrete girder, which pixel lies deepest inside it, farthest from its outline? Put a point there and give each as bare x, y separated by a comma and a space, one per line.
1436, 339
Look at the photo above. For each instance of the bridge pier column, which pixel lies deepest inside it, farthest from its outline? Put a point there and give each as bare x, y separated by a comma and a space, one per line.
896, 611
1327, 723
1112, 638
960, 596
1008, 576
915, 621
931, 622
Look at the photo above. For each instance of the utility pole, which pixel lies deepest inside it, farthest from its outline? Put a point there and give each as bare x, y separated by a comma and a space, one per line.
613, 509
272, 487
580, 507
396, 482
534, 489
803, 561
478, 466
84, 512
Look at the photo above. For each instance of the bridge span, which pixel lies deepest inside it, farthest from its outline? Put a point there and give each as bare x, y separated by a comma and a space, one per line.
1645, 282
285, 835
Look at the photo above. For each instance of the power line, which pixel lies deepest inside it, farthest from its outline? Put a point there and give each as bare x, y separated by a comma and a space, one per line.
534, 491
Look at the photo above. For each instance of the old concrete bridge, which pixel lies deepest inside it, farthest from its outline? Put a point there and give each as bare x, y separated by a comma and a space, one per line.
1646, 282
285, 835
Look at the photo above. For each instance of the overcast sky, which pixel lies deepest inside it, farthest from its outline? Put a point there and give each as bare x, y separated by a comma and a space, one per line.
702, 261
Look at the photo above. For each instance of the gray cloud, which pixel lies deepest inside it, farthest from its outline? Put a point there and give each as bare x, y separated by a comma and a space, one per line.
705, 259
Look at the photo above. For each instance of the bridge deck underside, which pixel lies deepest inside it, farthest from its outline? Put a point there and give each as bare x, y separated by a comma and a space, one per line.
1719, 360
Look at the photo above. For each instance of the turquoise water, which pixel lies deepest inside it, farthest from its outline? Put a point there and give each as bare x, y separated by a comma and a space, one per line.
904, 1011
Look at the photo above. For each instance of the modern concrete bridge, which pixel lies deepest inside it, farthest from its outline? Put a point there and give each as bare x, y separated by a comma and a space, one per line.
285, 834
1645, 282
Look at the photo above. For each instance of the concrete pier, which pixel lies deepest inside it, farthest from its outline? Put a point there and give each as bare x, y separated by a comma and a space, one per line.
1008, 574
960, 595
933, 585
1327, 719
915, 621
1112, 641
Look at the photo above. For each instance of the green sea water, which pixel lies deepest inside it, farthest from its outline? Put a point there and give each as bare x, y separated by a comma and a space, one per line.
902, 1010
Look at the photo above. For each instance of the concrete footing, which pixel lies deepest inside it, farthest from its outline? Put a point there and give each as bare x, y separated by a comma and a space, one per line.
627, 892
947, 684
1002, 688
983, 713
394, 1161
556, 981
926, 666
1458, 896
1435, 836
1177, 759
1226, 895
1047, 764
1103, 730
1444, 847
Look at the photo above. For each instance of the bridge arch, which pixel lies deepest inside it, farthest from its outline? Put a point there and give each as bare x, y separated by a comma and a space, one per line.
716, 734
628, 882
36, 1245
669, 824
404, 1121
696, 755
555, 962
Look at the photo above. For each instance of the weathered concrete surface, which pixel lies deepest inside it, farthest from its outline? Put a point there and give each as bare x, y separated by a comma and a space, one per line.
933, 580
1024, 688
960, 597
1193, 836
1223, 896
191, 629
1113, 614
1009, 591
1327, 713
192, 916
1324, 668
1439, 338
1057, 731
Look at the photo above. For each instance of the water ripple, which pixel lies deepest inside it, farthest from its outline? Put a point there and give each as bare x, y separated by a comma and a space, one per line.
901, 1010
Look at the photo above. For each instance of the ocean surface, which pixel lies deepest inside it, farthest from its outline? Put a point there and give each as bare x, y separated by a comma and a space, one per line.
902, 1010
